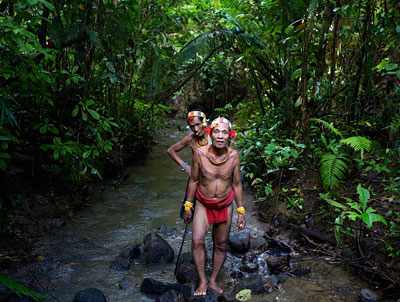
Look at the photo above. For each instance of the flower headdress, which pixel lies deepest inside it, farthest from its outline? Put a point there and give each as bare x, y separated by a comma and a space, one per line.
217, 121
192, 114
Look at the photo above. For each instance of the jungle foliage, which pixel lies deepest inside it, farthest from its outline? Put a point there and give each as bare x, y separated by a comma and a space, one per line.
313, 87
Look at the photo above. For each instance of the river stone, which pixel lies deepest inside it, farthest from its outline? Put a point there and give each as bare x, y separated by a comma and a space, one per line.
120, 264
158, 250
150, 286
239, 242
250, 267
90, 295
171, 296
276, 263
258, 244
128, 283
131, 252
186, 271
253, 282
367, 295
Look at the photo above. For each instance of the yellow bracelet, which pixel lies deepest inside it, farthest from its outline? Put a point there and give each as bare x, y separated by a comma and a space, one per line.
188, 205
241, 211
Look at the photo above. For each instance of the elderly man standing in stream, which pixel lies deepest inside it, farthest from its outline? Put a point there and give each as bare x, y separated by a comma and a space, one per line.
215, 182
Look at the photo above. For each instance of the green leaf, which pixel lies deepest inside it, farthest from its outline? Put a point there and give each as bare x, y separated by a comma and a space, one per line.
47, 4
84, 116
75, 111
87, 154
43, 129
364, 196
370, 218
94, 114
335, 204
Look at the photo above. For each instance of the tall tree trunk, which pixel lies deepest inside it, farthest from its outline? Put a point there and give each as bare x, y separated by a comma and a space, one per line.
361, 60
333, 56
321, 53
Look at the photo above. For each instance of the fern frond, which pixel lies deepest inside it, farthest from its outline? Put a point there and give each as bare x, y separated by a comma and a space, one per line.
358, 143
333, 169
328, 126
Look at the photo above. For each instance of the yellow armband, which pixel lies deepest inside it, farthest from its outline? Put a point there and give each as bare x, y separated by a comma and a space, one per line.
188, 205
241, 211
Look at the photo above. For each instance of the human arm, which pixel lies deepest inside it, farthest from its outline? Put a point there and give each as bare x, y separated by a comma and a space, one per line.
173, 153
237, 186
192, 186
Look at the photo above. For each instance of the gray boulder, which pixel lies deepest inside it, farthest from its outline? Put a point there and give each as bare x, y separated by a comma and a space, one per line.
158, 250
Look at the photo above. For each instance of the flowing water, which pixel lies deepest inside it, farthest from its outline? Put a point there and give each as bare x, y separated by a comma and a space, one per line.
77, 256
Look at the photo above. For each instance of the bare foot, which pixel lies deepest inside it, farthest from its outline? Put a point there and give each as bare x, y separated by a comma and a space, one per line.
214, 286
201, 290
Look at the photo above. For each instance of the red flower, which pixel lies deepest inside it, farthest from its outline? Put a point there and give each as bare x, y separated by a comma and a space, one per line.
190, 118
208, 130
232, 134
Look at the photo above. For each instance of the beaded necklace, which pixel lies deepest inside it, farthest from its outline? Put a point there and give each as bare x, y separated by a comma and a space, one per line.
215, 162
202, 142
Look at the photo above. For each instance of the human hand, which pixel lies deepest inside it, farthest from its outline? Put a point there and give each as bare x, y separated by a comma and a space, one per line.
187, 216
241, 222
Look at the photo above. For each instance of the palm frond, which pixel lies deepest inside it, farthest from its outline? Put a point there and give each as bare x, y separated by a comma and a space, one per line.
358, 143
205, 43
328, 126
333, 169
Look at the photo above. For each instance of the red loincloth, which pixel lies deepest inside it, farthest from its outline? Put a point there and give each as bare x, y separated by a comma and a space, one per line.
216, 209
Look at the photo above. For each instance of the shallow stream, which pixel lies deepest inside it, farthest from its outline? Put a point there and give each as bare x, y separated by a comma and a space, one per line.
77, 256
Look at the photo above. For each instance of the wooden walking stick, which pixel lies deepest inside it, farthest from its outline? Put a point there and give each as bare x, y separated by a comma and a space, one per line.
180, 250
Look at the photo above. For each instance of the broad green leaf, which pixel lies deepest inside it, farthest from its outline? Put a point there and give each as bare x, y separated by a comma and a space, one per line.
370, 218
94, 114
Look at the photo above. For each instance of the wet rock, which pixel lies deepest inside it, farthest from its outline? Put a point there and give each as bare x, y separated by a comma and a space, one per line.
171, 296
250, 268
277, 263
128, 283
90, 295
258, 244
158, 250
131, 251
253, 282
150, 286
186, 271
239, 242
367, 295
236, 275
120, 264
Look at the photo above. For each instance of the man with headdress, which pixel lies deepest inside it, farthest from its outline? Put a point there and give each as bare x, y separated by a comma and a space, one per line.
215, 182
197, 122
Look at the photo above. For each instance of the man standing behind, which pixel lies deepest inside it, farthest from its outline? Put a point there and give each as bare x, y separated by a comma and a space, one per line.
215, 181
197, 122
